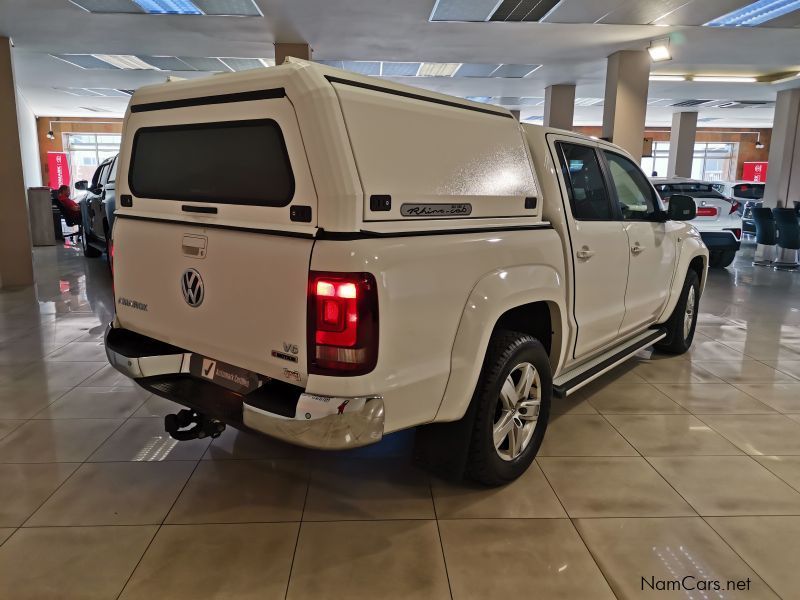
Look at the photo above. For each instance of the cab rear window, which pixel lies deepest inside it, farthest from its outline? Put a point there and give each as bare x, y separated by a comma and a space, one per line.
235, 162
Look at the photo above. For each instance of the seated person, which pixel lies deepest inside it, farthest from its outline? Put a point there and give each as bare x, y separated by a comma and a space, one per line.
68, 204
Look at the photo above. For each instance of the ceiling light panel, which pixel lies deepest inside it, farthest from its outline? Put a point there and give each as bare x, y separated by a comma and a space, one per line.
588, 101
78, 92
723, 79
168, 7
84, 61
400, 69
523, 10
756, 13
228, 8
243, 64
427, 69
515, 71
481, 99
109, 6
166, 63
125, 61
476, 70
362, 67
463, 10
667, 78
210, 65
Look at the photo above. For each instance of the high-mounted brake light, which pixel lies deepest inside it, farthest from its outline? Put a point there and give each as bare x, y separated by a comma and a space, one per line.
342, 323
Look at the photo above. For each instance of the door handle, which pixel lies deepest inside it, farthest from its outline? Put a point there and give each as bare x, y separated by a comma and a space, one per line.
637, 249
584, 253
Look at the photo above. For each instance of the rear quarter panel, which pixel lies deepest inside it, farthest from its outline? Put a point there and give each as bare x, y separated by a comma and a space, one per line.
425, 284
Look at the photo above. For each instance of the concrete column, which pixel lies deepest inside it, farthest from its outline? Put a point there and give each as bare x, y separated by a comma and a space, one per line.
681, 144
625, 107
559, 106
783, 175
295, 50
16, 261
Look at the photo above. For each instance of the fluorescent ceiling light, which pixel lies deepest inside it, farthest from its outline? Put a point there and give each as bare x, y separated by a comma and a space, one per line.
242, 64
723, 79
168, 7
756, 13
659, 50
125, 61
228, 8
399, 69
515, 71
667, 78
427, 69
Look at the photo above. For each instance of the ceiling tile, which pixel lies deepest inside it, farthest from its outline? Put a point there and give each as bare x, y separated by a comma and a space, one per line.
237, 8
463, 10
476, 70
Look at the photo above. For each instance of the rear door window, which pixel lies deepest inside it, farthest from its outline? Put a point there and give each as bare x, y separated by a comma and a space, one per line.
585, 186
236, 162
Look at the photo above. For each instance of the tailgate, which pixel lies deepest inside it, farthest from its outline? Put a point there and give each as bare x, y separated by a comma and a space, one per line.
710, 210
214, 229
235, 296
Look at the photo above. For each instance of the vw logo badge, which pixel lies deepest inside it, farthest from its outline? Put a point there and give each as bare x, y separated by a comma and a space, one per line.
192, 288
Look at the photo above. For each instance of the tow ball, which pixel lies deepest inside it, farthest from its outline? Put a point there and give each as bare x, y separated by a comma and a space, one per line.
190, 425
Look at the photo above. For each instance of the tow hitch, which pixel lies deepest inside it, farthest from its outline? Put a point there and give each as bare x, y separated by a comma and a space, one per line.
199, 426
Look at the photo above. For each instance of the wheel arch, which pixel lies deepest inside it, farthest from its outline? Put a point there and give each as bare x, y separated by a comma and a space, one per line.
693, 257
528, 299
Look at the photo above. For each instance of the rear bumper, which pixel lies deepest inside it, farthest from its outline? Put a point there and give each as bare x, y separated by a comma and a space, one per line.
276, 409
720, 240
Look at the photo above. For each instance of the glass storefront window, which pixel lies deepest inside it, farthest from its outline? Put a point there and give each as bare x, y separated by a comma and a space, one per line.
86, 151
712, 161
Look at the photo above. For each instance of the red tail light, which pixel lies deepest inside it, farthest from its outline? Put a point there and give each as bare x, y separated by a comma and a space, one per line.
342, 323
734, 207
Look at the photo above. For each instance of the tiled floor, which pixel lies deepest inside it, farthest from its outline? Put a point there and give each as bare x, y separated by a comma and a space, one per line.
669, 466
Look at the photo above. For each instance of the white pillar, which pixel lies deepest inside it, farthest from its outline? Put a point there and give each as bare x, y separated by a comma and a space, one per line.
783, 174
16, 261
559, 106
296, 50
681, 144
625, 106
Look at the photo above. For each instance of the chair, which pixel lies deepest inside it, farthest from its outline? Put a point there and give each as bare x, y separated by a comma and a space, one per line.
788, 239
765, 236
69, 219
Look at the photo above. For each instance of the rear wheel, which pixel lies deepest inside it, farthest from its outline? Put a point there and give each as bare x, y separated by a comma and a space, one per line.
513, 406
682, 323
721, 258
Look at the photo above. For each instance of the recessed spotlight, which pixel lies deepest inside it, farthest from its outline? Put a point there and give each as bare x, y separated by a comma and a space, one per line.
759, 146
51, 135
659, 50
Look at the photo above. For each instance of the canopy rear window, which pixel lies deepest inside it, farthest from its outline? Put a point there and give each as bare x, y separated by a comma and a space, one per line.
234, 162
695, 190
749, 191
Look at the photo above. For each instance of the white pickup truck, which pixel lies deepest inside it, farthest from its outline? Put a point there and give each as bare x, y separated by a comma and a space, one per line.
326, 258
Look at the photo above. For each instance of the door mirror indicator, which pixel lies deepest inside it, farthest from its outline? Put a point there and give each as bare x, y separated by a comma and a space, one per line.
681, 208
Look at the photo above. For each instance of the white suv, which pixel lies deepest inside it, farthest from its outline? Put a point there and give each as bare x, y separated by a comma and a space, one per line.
718, 216
326, 258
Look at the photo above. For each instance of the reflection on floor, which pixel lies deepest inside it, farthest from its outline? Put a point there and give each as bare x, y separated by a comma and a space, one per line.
670, 466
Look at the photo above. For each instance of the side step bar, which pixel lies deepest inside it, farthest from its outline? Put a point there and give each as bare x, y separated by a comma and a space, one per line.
573, 380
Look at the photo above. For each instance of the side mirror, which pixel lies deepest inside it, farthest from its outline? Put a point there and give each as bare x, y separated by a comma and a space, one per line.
681, 208
82, 185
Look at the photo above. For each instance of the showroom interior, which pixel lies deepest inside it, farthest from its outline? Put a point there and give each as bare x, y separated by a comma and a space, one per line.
661, 474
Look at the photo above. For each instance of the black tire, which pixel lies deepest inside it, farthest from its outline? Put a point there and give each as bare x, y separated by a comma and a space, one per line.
677, 340
719, 259
507, 350
89, 251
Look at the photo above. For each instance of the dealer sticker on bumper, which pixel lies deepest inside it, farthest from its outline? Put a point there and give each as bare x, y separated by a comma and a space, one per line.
225, 375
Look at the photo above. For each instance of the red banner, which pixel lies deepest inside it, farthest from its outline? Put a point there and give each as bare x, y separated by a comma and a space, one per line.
58, 169
754, 171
